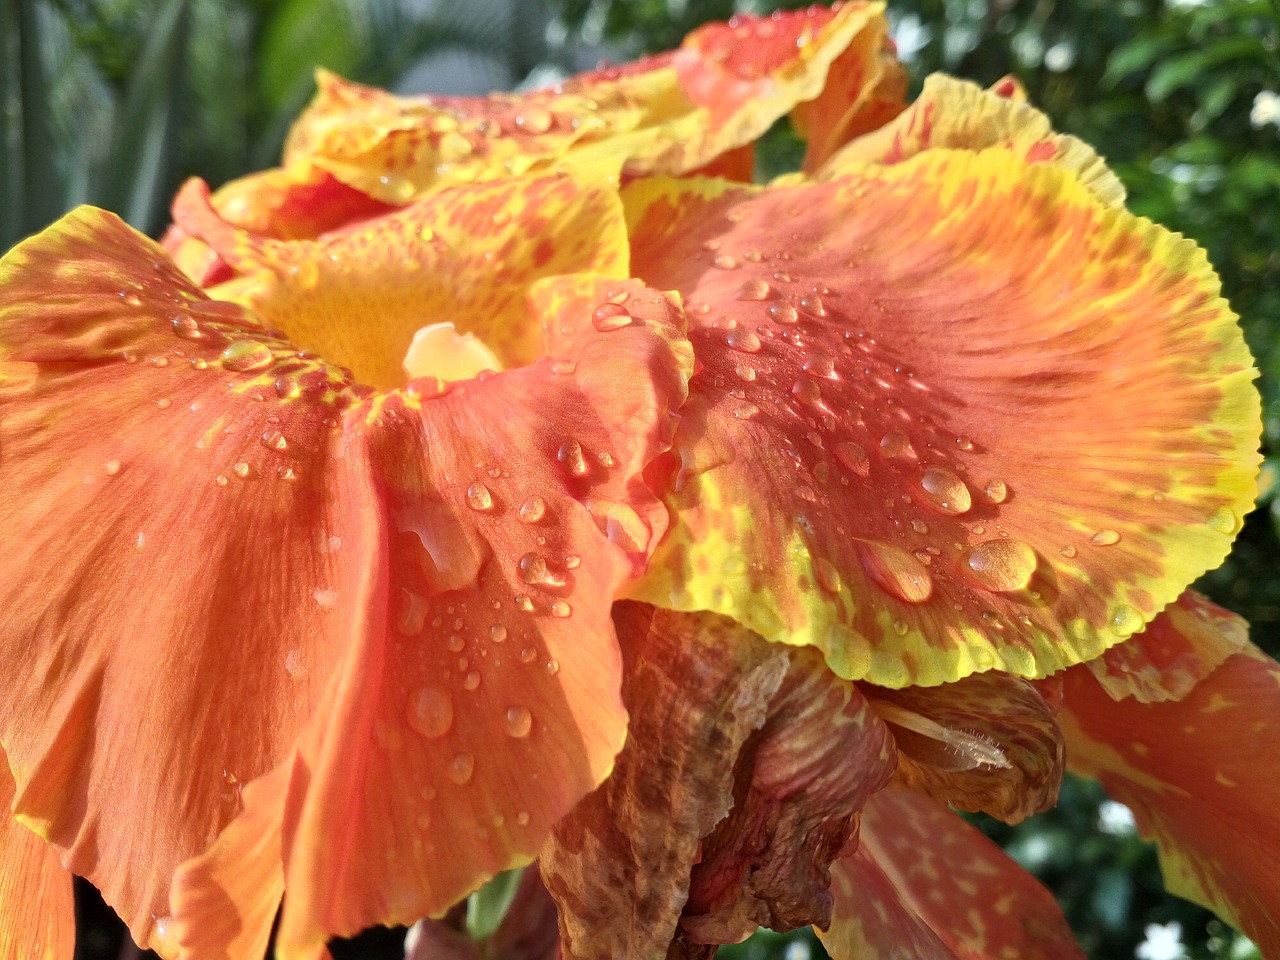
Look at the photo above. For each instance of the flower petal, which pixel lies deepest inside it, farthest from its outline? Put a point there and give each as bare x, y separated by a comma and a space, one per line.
1176, 651
465, 256
169, 553
967, 416
37, 915
671, 113
1199, 774
924, 884
986, 743
478, 699
618, 865
956, 114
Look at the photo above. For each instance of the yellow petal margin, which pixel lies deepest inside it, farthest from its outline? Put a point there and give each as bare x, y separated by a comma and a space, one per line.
951, 415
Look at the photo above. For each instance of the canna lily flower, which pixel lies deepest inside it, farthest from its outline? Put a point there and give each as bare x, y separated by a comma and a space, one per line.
847, 444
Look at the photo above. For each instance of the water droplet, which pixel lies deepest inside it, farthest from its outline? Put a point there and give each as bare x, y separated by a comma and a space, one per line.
827, 575
1000, 565
812, 304
528, 655
186, 327
461, 768
783, 313
610, 316
471, 681
806, 390
242, 469
605, 458
245, 355
532, 510
274, 440
455, 643
1125, 621
945, 491
519, 721
570, 455
754, 289
572, 562
745, 372
534, 119
1105, 538
1068, 551
164, 403
743, 340
896, 573
1224, 520
853, 457
497, 633
819, 364
896, 444
413, 614
561, 609
900, 627
997, 492
479, 498
221, 480
431, 711
524, 603
919, 526
533, 569
726, 261
326, 598
522, 818
553, 666
111, 467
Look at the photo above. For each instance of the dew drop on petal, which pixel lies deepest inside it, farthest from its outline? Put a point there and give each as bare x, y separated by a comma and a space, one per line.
896, 444
533, 569
532, 510
274, 440
896, 573
524, 603
945, 491
497, 633
326, 598
561, 609
610, 316
826, 574
242, 470
853, 457
1068, 551
997, 491
743, 340
246, 355
1125, 621
186, 327
726, 261
818, 364
111, 467
812, 304
522, 818
783, 313
1000, 565
754, 289
479, 498
471, 681
1105, 538
528, 655
461, 768
430, 712
570, 456
519, 721
1224, 520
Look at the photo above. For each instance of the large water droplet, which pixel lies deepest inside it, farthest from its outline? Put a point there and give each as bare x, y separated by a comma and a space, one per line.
1224, 520
1125, 621
532, 510
896, 444
1105, 538
479, 498
431, 711
186, 327
783, 313
245, 355
828, 577
896, 573
1000, 565
461, 768
570, 456
413, 614
996, 491
561, 609
274, 440
533, 569
853, 457
945, 491
819, 364
754, 289
743, 340
519, 721
610, 316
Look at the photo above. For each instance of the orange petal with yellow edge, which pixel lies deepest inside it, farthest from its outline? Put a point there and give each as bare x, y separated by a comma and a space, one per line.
171, 561
478, 698
924, 884
670, 113
37, 915
986, 743
953, 114
465, 256
1176, 651
950, 415
1199, 774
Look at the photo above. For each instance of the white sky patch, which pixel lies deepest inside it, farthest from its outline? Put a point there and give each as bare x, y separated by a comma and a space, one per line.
1164, 942
1115, 819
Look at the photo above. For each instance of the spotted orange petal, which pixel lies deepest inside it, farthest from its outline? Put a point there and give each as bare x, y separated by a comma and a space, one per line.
37, 916
672, 113
985, 743
351, 550
465, 256
1199, 773
924, 884
866, 88
951, 414
953, 114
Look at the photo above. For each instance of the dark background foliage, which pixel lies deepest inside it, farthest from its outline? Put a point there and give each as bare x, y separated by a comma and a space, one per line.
115, 102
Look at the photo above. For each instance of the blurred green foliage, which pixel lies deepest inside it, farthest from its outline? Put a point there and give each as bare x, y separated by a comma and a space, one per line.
116, 101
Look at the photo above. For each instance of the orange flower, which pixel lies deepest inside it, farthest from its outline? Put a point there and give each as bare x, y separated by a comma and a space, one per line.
865, 450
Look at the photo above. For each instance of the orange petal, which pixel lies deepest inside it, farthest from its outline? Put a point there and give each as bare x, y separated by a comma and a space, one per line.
985, 743
37, 916
1176, 651
924, 884
802, 780
951, 414
866, 88
464, 256
169, 556
479, 698
671, 113
1200, 776
953, 114
618, 865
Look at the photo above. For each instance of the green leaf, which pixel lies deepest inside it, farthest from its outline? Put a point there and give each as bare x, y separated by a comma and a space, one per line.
1133, 57
487, 907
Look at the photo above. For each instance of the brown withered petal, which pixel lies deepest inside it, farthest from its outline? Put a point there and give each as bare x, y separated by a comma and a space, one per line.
986, 743
800, 782
618, 864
